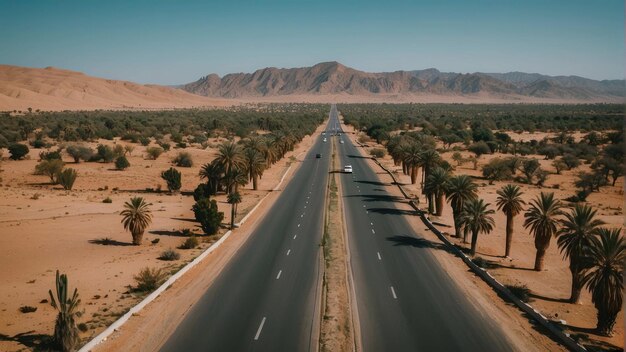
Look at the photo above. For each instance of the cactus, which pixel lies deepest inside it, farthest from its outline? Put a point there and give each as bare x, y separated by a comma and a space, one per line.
65, 329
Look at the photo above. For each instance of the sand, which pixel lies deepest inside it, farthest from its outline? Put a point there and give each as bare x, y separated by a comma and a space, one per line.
54, 231
551, 287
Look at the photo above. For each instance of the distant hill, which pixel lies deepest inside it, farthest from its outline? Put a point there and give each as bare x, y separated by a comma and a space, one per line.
56, 89
333, 78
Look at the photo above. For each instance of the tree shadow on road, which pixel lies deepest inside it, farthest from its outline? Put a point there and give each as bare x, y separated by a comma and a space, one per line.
391, 211
375, 183
404, 240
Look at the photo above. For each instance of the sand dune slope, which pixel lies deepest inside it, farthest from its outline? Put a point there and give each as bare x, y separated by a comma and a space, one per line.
56, 89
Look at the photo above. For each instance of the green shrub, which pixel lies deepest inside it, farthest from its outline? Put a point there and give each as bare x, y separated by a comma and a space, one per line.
377, 152
50, 155
38, 144
166, 146
83, 327
207, 214
169, 255
522, 292
121, 163
154, 152
189, 243
145, 141
173, 179
28, 309
51, 168
183, 159
66, 178
107, 200
479, 148
104, 153
18, 151
149, 279
78, 152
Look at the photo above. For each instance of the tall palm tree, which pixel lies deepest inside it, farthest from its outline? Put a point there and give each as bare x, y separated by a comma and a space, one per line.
233, 199
213, 172
429, 159
435, 187
254, 164
476, 218
542, 219
412, 160
574, 238
460, 189
511, 203
605, 276
136, 218
229, 156
235, 178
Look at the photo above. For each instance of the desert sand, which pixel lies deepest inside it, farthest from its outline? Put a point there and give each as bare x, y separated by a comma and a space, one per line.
45, 228
551, 287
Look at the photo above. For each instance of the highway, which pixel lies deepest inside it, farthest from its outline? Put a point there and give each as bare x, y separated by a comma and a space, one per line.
405, 301
265, 299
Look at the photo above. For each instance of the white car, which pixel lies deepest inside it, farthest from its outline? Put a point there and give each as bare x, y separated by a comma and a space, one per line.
341, 141
324, 139
347, 169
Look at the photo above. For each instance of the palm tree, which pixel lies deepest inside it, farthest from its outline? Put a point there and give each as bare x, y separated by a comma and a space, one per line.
542, 219
254, 164
233, 199
511, 203
65, 330
435, 186
605, 276
229, 156
460, 189
412, 160
476, 218
574, 238
136, 218
235, 178
213, 172
429, 159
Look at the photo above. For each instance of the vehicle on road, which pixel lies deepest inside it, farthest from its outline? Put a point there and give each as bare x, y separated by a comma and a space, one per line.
347, 169
318, 155
324, 139
341, 141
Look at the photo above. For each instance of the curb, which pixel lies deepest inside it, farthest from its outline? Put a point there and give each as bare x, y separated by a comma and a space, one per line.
562, 337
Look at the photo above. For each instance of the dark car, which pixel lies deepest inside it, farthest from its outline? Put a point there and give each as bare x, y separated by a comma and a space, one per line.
318, 155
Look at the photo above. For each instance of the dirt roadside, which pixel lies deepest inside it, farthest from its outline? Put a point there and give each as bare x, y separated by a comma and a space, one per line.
522, 333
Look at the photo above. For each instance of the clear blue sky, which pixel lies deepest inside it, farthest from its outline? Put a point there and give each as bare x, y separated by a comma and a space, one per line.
171, 42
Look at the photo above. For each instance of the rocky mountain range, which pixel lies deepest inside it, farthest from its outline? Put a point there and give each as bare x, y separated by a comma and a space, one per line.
330, 78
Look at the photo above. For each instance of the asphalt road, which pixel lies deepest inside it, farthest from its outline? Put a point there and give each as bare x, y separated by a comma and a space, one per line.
265, 298
406, 302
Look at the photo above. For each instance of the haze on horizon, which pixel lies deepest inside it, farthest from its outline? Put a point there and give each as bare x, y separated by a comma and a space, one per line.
164, 42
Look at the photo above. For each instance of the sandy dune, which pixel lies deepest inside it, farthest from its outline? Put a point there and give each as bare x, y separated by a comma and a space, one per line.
56, 89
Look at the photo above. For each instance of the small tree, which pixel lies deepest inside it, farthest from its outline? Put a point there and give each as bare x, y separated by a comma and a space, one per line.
458, 158
479, 148
154, 152
529, 167
183, 159
121, 163
207, 214
136, 218
233, 199
66, 178
128, 150
78, 152
572, 161
559, 165
173, 179
105, 153
497, 170
65, 330
18, 151
50, 168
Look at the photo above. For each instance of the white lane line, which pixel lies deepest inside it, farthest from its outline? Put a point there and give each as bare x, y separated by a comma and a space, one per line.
367, 212
278, 276
379, 258
364, 206
298, 225
393, 292
294, 236
305, 206
288, 251
258, 332
374, 232
371, 223
302, 215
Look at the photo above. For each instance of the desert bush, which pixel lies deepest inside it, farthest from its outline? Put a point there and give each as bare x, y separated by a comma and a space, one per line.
169, 255
166, 146
128, 149
50, 168
78, 152
497, 169
207, 214
181, 145
458, 158
542, 176
173, 179
183, 159
522, 292
479, 148
145, 141
572, 161
66, 178
189, 243
377, 152
82, 327
37, 144
529, 167
149, 279
559, 165
27, 309
18, 151
107, 200
118, 151
154, 152
121, 163
104, 153
52, 155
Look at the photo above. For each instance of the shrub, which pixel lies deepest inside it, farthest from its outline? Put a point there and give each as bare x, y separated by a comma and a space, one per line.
18, 151
479, 148
144, 141
181, 145
149, 279
50, 168
38, 143
121, 163
207, 214
166, 146
79, 152
377, 152
128, 149
497, 170
118, 151
50, 155
107, 200
571, 161
522, 292
169, 255
65, 334
82, 327
529, 168
189, 243
104, 153
183, 159
173, 179
66, 178
28, 309
154, 152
